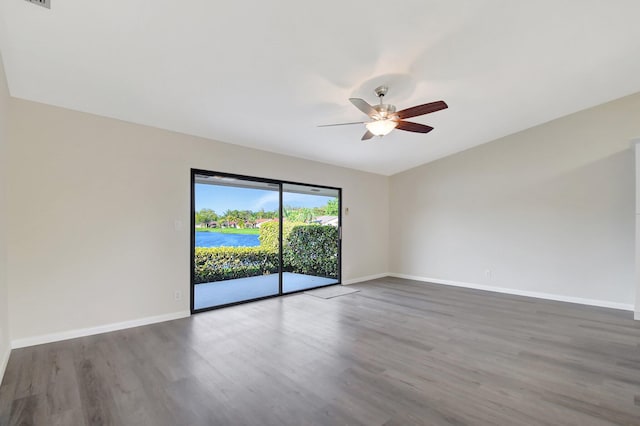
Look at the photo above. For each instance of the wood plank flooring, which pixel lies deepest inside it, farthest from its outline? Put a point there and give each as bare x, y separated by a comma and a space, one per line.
398, 352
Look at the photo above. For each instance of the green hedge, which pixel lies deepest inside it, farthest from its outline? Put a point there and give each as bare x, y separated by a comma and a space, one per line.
269, 233
308, 249
225, 263
312, 250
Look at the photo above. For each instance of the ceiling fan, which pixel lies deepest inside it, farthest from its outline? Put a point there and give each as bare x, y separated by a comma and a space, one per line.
385, 118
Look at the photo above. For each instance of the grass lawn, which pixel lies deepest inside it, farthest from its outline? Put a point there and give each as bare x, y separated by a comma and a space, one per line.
245, 231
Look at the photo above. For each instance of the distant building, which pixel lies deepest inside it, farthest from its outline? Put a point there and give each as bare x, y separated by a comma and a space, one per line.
259, 222
326, 220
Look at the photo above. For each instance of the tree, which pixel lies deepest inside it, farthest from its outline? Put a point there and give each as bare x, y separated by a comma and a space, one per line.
298, 214
262, 214
332, 208
205, 216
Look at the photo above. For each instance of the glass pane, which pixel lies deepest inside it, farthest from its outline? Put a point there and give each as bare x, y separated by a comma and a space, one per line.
232, 262
310, 237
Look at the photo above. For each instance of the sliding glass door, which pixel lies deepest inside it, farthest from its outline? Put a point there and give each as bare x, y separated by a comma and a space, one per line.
230, 264
254, 238
311, 236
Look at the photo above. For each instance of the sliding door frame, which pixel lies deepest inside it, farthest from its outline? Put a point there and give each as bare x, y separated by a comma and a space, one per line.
280, 184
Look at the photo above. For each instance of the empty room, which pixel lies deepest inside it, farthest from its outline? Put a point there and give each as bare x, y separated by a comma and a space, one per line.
319, 213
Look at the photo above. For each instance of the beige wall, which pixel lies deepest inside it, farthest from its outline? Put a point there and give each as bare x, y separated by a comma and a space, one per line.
93, 204
4, 304
636, 148
548, 210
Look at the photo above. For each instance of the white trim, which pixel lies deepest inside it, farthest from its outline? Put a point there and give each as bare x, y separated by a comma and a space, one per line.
82, 332
636, 315
367, 278
537, 295
3, 363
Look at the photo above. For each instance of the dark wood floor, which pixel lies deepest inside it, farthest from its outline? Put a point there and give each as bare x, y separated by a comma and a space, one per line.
396, 353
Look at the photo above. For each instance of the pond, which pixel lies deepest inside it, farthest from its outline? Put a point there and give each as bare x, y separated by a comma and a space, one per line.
216, 239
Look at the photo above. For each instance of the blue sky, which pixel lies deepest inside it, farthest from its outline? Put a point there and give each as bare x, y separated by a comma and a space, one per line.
222, 198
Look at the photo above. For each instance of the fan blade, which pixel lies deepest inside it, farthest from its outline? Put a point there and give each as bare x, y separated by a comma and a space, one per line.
363, 106
421, 110
341, 124
367, 136
413, 127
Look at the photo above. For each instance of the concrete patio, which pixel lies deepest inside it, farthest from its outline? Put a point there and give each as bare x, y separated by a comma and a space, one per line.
230, 291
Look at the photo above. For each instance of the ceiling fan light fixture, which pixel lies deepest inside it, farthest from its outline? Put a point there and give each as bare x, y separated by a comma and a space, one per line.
381, 127
385, 118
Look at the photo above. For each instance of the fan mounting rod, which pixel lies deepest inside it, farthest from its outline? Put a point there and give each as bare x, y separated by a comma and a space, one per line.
384, 110
381, 91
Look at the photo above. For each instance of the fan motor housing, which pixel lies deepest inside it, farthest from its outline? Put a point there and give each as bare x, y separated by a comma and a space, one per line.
385, 110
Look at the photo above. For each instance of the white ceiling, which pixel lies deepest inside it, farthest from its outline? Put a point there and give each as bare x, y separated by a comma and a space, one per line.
264, 74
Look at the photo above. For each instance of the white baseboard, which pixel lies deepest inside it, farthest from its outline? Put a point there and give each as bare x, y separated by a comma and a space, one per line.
636, 315
537, 295
367, 278
82, 332
4, 360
